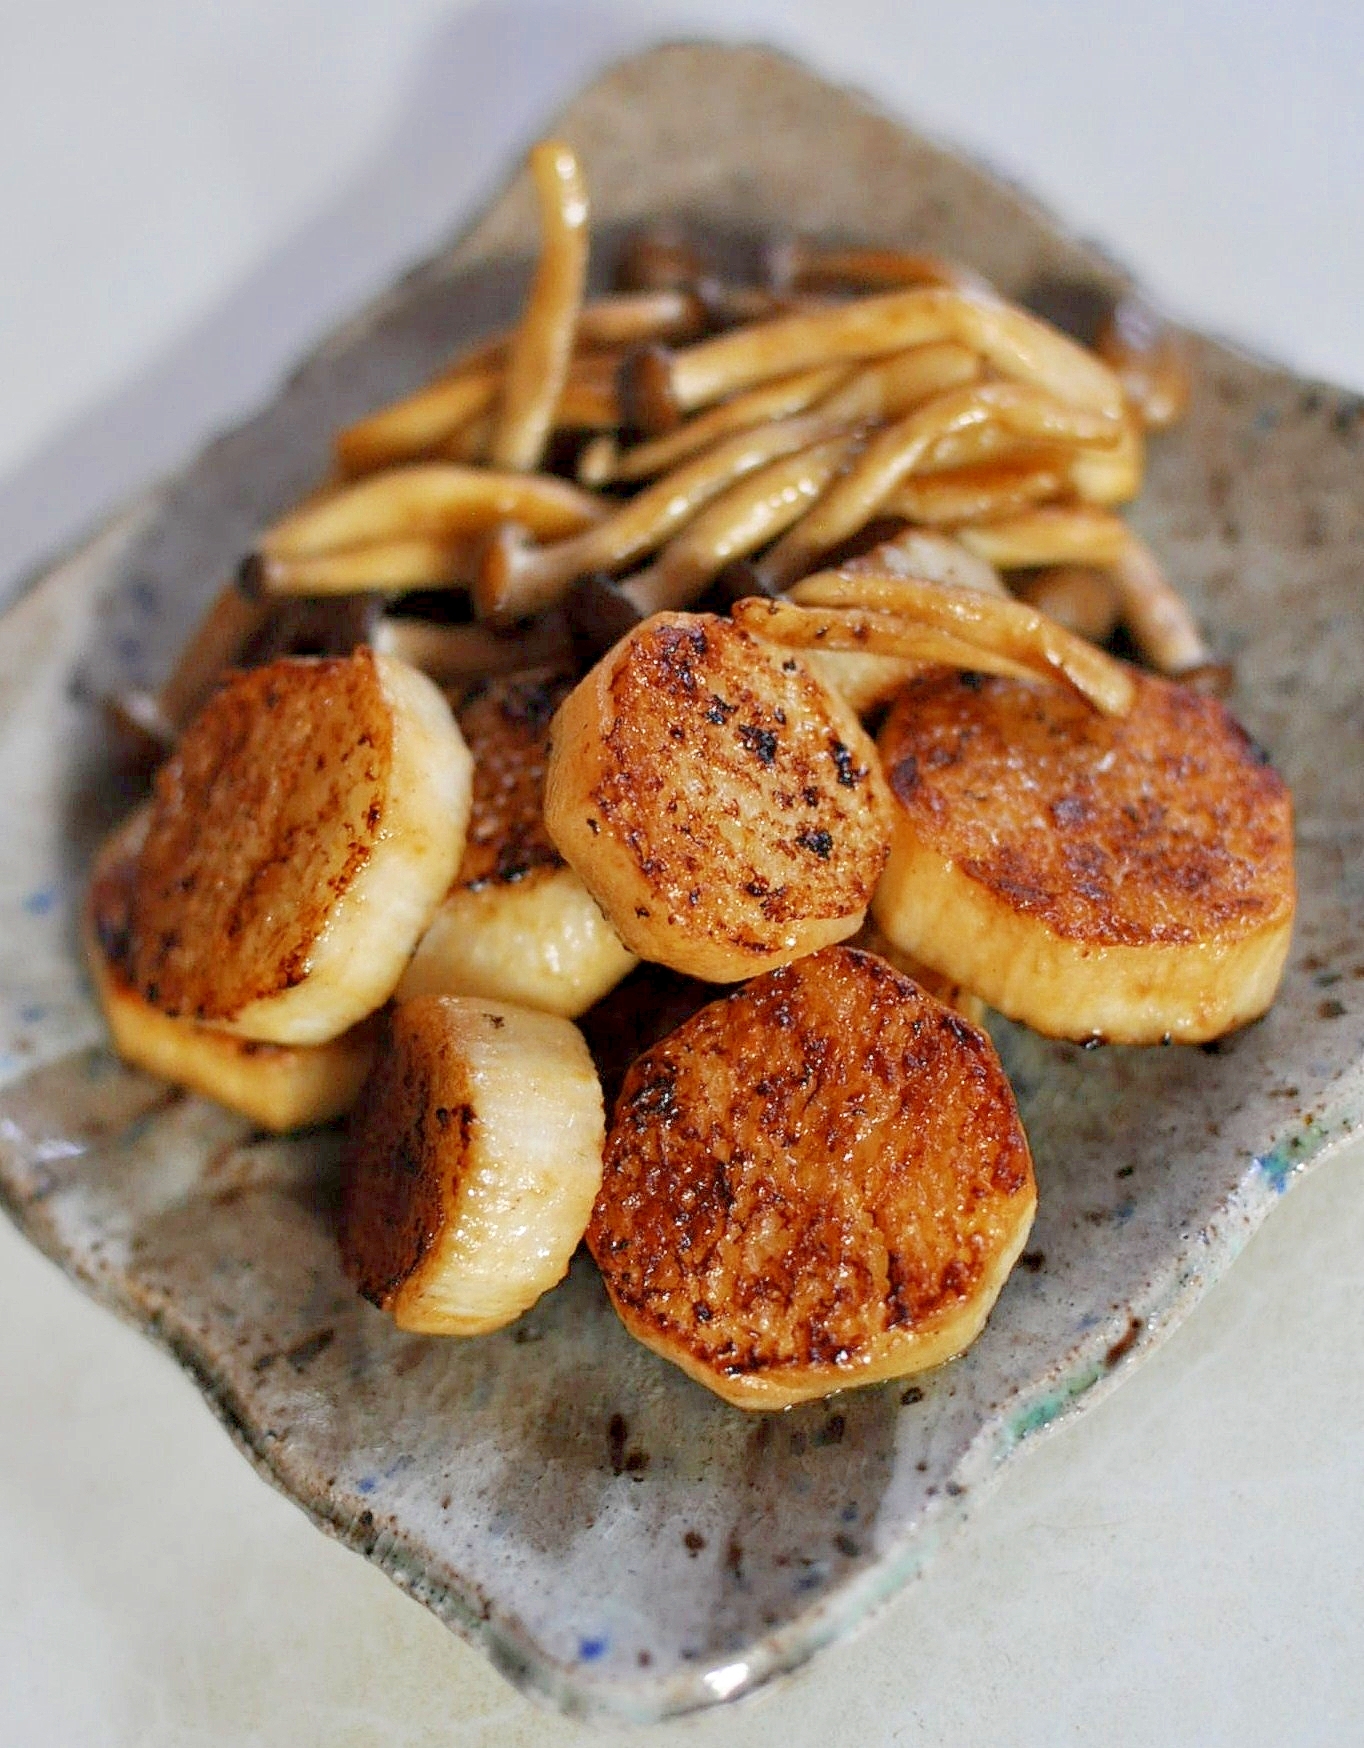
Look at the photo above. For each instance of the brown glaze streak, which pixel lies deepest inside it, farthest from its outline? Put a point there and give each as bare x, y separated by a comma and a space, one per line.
823, 1156
1163, 826
777, 819
261, 821
408, 1139
507, 730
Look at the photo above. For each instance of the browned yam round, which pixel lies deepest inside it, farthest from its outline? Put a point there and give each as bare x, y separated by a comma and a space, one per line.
506, 728
724, 809
475, 1160
1128, 878
270, 807
820, 1180
1167, 825
409, 1140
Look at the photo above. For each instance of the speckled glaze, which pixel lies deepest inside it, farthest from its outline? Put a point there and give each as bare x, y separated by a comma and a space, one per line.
620, 1542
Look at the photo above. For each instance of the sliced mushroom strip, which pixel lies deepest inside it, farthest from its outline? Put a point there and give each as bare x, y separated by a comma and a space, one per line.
1159, 619
454, 416
438, 499
976, 494
417, 423
809, 267
1051, 535
1150, 361
539, 351
894, 453
1009, 628
891, 387
1017, 344
1080, 597
1110, 476
852, 631
518, 579
737, 523
388, 566
866, 680
605, 462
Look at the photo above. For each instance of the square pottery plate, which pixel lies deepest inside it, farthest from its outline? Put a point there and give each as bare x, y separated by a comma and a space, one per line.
619, 1541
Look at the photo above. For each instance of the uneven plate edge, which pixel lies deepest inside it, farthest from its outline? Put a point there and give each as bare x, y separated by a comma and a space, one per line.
1072, 1385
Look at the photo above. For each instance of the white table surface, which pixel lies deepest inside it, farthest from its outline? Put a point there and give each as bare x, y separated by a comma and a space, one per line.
190, 193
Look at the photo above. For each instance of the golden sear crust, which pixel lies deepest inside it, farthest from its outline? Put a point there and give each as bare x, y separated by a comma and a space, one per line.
742, 800
506, 728
270, 807
410, 1137
821, 1169
1165, 826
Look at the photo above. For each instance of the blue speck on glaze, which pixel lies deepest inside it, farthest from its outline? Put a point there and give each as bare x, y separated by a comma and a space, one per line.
41, 902
368, 1484
591, 1649
1123, 1213
1089, 1321
812, 1579
31, 1013
849, 1514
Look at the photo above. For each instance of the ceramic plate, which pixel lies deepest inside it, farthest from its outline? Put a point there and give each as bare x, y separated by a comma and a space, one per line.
617, 1540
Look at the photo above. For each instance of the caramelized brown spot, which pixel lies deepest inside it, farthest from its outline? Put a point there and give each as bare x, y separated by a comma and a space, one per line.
1165, 825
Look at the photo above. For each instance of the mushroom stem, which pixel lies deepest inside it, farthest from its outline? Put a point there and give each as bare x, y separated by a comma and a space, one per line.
738, 522
894, 452
518, 579
1080, 597
234, 621
388, 566
1017, 344
810, 267
975, 494
1158, 618
1149, 360
1052, 535
416, 424
781, 399
441, 500
540, 349
1007, 628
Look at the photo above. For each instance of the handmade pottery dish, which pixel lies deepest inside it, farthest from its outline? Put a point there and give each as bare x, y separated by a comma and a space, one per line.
619, 1541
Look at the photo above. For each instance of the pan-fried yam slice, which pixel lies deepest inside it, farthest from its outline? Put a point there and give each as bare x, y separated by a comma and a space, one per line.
475, 1156
1127, 878
725, 810
820, 1181
518, 924
436, 500
300, 840
279, 1086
